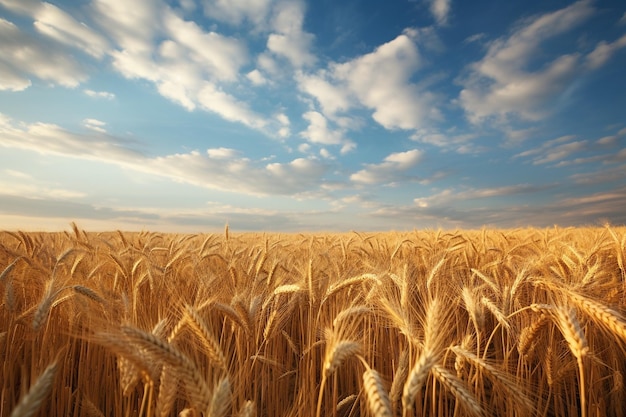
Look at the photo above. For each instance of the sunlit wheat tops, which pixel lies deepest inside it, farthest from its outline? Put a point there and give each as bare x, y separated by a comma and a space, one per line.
514, 323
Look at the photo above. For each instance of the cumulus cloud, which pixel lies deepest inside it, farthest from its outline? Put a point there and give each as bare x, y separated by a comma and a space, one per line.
256, 77
319, 131
391, 170
502, 83
288, 39
332, 97
379, 81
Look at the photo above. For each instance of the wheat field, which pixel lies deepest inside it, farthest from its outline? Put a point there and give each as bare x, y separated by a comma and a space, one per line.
526, 322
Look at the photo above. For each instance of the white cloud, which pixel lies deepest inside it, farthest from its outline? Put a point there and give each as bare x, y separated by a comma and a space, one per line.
554, 150
21, 54
460, 143
391, 170
222, 153
603, 176
27, 7
60, 26
449, 196
622, 21
36, 189
99, 94
46, 138
325, 153
256, 77
17, 174
213, 99
381, 81
603, 52
187, 5
95, 125
216, 55
332, 98
289, 40
217, 168
236, 11
440, 10
501, 84
133, 28
318, 130
11, 79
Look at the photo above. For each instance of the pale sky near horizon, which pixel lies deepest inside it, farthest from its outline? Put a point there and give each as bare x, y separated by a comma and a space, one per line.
333, 115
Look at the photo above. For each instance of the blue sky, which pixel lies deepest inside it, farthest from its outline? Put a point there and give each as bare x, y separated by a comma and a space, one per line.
287, 115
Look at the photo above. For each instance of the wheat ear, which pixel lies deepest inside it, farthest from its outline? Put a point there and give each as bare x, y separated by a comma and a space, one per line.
602, 314
159, 350
38, 392
247, 410
460, 391
338, 353
575, 337
168, 388
200, 329
377, 398
417, 377
220, 400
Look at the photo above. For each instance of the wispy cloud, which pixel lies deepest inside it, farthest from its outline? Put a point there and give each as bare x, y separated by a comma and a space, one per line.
554, 150
503, 84
240, 11
62, 27
392, 169
602, 176
95, 125
20, 184
99, 94
603, 52
440, 10
20, 54
216, 168
449, 196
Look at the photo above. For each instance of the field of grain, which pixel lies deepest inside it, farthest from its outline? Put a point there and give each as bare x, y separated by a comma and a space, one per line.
526, 322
